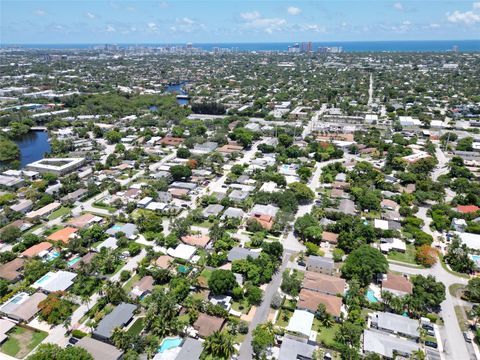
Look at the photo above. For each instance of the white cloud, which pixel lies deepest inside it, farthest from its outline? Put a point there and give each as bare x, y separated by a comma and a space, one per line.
315, 28
292, 10
254, 20
250, 15
398, 6
467, 17
434, 26
90, 15
40, 12
152, 27
187, 25
110, 28
163, 4
476, 5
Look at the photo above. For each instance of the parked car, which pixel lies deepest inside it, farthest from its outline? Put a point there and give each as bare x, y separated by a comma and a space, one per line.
431, 332
431, 344
73, 340
427, 327
467, 337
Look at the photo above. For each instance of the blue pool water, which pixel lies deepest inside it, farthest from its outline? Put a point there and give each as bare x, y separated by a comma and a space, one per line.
371, 296
117, 227
475, 258
73, 261
169, 343
183, 269
43, 279
52, 255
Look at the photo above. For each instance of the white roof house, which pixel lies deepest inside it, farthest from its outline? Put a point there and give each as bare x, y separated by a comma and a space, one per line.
301, 322
55, 281
380, 224
182, 251
471, 240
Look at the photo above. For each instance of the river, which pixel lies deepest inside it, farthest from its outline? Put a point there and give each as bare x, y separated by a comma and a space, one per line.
178, 89
33, 146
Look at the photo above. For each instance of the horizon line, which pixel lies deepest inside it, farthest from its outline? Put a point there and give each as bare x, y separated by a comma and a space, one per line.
230, 42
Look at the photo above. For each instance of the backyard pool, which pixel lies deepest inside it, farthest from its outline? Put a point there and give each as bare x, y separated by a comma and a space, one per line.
73, 261
183, 269
170, 343
116, 227
43, 279
371, 296
52, 255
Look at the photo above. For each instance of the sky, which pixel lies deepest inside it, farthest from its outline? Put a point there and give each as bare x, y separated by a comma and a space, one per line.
229, 21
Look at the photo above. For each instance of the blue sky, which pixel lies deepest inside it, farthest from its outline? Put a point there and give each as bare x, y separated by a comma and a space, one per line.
104, 21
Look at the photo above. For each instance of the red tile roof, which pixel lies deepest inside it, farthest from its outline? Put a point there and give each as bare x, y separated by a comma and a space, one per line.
466, 209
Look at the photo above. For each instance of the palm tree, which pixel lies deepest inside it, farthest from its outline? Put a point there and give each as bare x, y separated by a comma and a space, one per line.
219, 345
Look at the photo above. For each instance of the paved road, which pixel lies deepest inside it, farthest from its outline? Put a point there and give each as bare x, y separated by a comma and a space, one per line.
370, 92
454, 343
290, 241
261, 314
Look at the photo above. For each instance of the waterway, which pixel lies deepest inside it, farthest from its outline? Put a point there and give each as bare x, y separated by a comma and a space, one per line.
33, 146
179, 90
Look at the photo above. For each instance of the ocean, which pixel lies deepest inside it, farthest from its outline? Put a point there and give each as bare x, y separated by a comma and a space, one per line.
347, 46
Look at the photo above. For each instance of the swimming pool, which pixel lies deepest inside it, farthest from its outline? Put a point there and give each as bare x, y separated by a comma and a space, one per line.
475, 258
43, 279
117, 227
73, 261
170, 343
371, 296
183, 269
52, 255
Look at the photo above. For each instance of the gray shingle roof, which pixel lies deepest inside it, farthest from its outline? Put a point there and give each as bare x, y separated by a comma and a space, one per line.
117, 318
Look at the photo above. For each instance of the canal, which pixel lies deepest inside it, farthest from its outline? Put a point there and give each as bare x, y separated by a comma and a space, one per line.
179, 90
33, 146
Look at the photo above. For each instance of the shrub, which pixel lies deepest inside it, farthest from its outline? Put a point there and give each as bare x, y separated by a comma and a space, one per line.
78, 334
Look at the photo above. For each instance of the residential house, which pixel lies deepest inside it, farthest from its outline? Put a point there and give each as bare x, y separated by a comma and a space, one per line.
396, 324
10, 271
293, 348
142, 287
119, 317
212, 210
320, 264
239, 253
398, 285
326, 284
386, 345
99, 350
206, 325
309, 300
22, 306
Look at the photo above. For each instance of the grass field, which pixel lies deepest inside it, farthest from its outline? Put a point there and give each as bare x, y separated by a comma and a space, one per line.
59, 213
407, 257
136, 328
325, 336
21, 341
129, 284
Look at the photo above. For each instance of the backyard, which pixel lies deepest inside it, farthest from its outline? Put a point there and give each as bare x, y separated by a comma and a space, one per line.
21, 341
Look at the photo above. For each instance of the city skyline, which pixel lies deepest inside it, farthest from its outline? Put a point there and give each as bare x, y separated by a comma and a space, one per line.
55, 22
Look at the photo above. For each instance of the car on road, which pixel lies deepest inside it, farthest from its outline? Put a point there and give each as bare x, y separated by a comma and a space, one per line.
467, 337
431, 344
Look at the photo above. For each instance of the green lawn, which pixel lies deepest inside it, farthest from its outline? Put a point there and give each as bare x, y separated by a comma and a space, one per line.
407, 257
206, 273
101, 205
241, 306
283, 318
60, 212
21, 341
137, 327
326, 336
129, 285
206, 224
